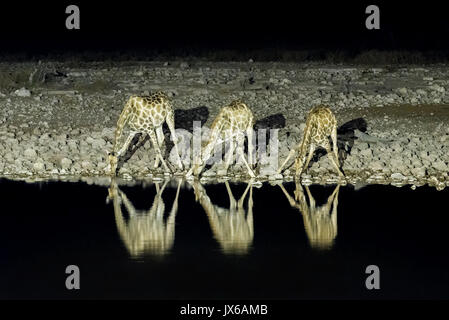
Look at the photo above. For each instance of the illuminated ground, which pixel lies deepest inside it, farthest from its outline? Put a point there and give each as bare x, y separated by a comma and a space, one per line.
64, 124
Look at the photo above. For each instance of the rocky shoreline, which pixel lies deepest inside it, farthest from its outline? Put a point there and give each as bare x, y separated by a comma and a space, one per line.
57, 120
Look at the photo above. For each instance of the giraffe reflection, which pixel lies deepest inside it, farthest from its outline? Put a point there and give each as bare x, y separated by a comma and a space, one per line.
319, 222
146, 232
233, 228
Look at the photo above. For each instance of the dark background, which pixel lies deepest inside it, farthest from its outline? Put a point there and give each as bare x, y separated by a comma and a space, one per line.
55, 224
187, 27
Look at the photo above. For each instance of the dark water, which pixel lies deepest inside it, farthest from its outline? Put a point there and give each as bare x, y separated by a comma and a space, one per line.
205, 249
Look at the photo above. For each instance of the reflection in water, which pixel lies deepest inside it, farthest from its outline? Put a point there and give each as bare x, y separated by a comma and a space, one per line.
233, 227
319, 222
146, 232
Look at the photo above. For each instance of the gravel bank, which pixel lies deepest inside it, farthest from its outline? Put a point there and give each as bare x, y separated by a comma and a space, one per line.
58, 119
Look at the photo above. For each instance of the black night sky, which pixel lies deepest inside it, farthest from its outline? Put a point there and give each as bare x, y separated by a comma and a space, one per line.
238, 25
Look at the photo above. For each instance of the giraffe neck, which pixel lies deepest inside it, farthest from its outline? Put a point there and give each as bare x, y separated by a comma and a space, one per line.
123, 119
306, 140
208, 146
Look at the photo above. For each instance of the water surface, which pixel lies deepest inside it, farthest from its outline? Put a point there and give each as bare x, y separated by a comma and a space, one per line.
183, 241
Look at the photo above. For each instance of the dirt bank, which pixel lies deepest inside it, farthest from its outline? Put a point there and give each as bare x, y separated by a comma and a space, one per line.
58, 119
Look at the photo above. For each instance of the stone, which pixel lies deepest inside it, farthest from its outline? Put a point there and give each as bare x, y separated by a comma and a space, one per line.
402, 91
39, 167
366, 153
397, 176
86, 165
66, 163
22, 92
184, 65
419, 172
277, 176
440, 165
377, 165
30, 153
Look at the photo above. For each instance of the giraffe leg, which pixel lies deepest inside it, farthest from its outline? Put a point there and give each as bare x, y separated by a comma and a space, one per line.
160, 141
240, 142
334, 144
171, 126
299, 169
113, 159
291, 153
125, 146
242, 198
158, 150
249, 134
334, 207
335, 147
229, 157
312, 203
334, 161
232, 201
289, 198
249, 217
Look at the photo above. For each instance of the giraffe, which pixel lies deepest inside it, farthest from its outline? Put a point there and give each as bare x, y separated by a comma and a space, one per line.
319, 223
231, 228
232, 122
145, 114
320, 124
145, 231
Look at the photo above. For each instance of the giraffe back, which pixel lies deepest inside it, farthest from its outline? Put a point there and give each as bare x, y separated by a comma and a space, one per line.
148, 112
319, 125
236, 116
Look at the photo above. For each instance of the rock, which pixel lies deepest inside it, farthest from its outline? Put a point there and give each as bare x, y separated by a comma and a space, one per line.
38, 167
86, 165
366, 153
437, 88
211, 173
398, 176
98, 143
440, 165
30, 153
22, 92
402, 91
377, 165
267, 171
184, 65
419, 172
277, 176
89, 140
421, 92
66, 163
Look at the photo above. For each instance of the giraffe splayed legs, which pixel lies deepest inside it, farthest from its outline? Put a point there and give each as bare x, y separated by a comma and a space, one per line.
145, 115
232, 122
320, 124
